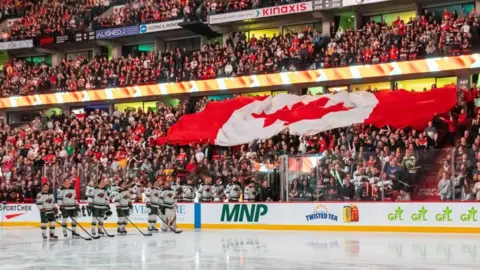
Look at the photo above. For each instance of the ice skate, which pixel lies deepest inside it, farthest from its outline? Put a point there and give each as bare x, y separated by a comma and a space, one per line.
53, 236
75, 235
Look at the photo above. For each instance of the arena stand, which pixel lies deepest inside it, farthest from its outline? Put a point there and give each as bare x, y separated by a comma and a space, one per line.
55, 18
306, 49
357, 163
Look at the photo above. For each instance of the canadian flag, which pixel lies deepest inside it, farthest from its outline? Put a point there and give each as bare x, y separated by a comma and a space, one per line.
244, 119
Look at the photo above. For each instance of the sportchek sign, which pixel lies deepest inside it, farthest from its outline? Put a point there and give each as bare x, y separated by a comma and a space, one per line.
260, 13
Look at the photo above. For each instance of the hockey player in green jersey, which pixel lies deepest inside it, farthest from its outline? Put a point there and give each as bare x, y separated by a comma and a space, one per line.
98, 203
123, 204
67, 201
45, 203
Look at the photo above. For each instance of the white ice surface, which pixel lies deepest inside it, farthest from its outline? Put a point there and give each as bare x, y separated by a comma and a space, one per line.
23, 248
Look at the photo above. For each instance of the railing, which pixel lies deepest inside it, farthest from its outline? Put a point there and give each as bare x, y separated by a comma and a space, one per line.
420, 174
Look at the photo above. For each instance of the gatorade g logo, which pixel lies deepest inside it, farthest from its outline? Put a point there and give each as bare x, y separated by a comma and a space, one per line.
69, 195
243, 212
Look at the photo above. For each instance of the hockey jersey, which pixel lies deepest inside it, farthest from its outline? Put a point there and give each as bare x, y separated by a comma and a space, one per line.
188, 194
67, 198
168, 198
250, 194
45, 202
98, 197
233, 191
205, 192
217, 192
123, 199
152, 197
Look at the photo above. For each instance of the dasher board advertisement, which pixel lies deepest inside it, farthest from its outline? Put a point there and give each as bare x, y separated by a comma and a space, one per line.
28, 214
335, 215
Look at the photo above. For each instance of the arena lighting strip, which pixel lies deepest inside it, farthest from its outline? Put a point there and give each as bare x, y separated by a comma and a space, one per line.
252, 81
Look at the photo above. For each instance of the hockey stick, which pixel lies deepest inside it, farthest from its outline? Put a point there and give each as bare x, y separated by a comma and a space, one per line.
105, 231
93, 237
173, 230
144, 234
84, 238
4, 208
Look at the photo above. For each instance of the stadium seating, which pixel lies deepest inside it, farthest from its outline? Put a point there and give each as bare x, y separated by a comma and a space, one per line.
374, 43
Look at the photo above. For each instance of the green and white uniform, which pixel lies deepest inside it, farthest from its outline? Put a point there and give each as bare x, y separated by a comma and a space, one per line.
169, 199
152, 199
98, 200
123, 203
67, 201
45, 203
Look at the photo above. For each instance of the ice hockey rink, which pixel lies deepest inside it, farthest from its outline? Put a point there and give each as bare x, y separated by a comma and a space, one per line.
23, 248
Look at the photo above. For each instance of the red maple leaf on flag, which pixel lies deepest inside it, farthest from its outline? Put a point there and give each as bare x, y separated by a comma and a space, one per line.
301, 111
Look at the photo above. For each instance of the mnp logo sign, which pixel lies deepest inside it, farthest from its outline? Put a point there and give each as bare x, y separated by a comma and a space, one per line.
143, 28
243, 212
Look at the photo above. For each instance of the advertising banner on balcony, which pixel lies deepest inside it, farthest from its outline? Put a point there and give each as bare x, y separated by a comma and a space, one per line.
18, 44
260, 13
161, 26
347, 3
117, 32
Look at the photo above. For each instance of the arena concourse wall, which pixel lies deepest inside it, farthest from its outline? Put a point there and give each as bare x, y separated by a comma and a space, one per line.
434, 217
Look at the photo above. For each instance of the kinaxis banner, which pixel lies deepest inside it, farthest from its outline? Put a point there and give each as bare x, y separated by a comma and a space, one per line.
117, 32
260, 13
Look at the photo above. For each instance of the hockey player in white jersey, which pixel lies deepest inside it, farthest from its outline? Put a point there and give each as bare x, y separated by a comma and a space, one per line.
152, 200
218, 191
205, 190
188, 191
123, 204
233, 191
250, 192
45, 203
67, 201
98, 203
168, 207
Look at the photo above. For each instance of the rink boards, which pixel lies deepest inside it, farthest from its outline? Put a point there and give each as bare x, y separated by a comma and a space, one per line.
458, 217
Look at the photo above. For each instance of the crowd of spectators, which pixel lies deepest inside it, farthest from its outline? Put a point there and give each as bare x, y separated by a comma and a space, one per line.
10, 9
461, 179
144, 12
305, 49
355, 163
54, 18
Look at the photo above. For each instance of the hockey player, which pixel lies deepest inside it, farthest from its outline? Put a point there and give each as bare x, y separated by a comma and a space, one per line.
188, 191
152, 199
250, 192
98, 203
67, 201
233, 191
45, 203
123, 204
218, 191
205, 190
168, 207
